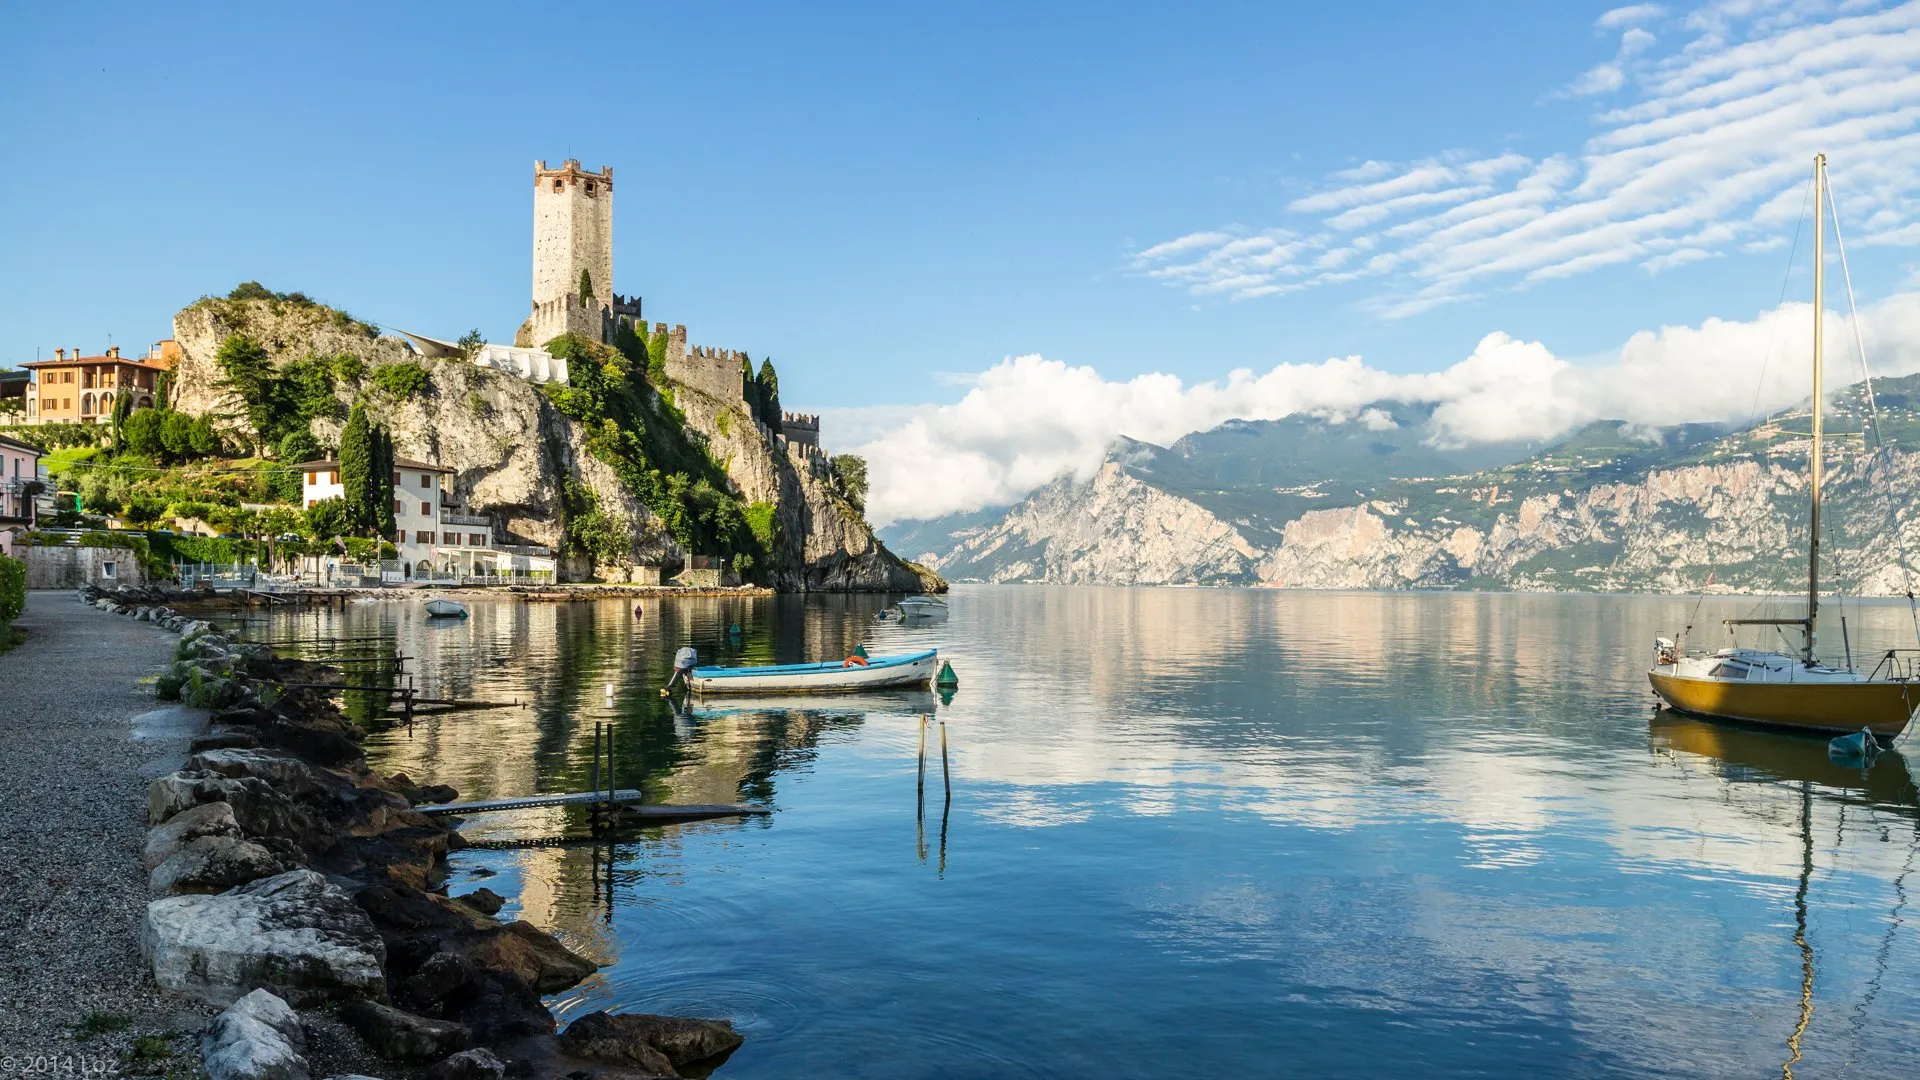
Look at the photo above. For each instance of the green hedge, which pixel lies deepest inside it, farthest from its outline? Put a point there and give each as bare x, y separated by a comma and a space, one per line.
13, 595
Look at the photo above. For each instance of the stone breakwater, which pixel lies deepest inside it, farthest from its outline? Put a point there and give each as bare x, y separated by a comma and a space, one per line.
287, 875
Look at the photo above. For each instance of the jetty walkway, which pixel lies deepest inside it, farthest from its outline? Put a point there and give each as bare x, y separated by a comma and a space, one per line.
72, 823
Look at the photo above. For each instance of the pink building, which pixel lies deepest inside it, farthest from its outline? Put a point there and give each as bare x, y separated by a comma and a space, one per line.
19, 467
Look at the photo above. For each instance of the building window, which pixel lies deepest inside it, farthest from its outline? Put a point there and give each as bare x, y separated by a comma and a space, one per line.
477, 539
426, 510
396, 476
451, 539
333, 476
426, 480
312, 478
397, 511
422, 536
108, 570
589, 187
559, 186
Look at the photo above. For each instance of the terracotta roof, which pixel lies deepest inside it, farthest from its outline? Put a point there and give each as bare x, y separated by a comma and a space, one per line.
398, 463
72, 360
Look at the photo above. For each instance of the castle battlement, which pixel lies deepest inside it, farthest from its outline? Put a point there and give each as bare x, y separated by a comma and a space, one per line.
802, 428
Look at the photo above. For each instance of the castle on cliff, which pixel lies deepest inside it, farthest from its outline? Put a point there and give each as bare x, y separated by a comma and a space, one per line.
573, 294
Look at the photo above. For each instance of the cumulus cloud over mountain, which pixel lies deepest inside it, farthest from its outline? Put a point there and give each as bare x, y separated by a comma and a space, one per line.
1027, 419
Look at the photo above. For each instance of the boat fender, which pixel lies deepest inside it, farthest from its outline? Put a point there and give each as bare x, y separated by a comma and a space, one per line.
855, 661
686, 659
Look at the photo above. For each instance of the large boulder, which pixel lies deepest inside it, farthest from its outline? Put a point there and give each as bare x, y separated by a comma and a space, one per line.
287, 774
402, 1036
476, 1064
212, 864
643, 1041
259, 809
183, 828
257, 1038
292, 933
534, 955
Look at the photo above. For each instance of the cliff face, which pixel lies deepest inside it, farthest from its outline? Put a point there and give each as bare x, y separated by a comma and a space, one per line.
513, 451
1113, 529
822, 542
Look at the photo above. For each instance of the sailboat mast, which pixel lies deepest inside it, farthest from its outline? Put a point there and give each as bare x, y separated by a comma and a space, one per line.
1819, 318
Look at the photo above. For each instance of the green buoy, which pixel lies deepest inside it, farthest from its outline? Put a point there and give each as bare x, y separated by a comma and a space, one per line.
946, 676
860, 651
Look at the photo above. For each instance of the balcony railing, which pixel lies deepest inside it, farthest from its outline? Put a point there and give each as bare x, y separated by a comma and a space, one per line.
450, 518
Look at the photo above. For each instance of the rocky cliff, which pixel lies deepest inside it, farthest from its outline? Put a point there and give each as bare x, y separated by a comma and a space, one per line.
1613, 507
514, 452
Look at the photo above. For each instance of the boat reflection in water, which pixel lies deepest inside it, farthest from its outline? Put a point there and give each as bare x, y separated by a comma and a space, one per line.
1797, 767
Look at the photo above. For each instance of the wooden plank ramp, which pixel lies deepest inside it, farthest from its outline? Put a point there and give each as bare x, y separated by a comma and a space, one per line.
599, 798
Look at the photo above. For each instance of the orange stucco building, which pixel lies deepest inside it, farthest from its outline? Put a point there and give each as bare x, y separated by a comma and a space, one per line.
80, 389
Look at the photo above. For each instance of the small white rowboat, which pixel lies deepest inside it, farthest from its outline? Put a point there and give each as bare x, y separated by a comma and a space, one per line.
446, 609
833, 676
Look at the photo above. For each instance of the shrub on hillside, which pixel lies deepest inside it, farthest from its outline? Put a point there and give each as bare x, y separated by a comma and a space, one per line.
403, 380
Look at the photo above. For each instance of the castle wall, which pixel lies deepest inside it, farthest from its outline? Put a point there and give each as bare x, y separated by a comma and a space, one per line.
572, 231
565, 315
715, 372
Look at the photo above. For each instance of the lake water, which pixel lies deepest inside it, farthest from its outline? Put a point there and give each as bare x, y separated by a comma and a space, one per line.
1193, 832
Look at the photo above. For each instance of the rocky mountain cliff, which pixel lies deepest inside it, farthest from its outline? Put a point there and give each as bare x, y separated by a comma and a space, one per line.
517, 455
1612, 507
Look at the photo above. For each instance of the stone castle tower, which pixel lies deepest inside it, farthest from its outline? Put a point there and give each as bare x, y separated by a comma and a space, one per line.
572, 236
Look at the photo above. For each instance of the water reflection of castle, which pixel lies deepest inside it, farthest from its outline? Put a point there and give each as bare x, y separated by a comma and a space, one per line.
559, 660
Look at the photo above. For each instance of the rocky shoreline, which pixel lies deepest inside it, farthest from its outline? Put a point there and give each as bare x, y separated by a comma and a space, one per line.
289, 876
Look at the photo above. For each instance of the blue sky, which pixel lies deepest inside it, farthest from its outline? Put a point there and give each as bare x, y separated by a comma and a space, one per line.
892, 199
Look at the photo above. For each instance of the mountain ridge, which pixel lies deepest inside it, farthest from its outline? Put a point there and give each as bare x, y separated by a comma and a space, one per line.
1610, 506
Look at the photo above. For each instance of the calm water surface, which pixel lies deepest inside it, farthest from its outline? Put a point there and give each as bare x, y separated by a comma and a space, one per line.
1193, 832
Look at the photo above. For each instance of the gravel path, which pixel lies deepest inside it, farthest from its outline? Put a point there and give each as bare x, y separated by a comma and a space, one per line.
72, 822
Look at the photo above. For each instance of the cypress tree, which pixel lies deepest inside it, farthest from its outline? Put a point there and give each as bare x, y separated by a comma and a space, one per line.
769, 395
586, 286
356, 470
749, 386
383, 482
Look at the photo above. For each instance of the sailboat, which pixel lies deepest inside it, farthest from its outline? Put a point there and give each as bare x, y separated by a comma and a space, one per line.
1777, 689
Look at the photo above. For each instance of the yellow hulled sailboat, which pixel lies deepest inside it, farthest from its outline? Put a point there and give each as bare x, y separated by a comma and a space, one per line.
1755, 686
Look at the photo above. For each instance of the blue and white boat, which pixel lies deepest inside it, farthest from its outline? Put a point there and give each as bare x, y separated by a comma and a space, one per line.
832, 676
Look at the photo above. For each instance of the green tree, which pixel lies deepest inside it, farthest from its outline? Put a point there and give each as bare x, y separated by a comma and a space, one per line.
382, 482
470, 343
248, 371
143, 433
122, 408
298, 446
202, 438
850, 476
251, 290
586, 287
327, 519
356, 471
176, 435
144, 510
769, 387
162, 385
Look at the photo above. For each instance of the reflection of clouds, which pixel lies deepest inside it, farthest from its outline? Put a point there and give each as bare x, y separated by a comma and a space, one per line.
1502, 715
1027, 809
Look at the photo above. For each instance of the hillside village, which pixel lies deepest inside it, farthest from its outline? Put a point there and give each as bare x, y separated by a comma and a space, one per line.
275, 432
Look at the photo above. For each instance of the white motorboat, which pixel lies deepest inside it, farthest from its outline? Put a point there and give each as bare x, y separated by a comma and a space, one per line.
446, 609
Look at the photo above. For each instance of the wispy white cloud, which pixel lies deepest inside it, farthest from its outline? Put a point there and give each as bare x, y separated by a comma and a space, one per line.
1631, 15
1702, 151
1028, 420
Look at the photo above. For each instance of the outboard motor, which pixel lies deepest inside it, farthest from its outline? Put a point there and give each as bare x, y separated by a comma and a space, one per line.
684, 661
